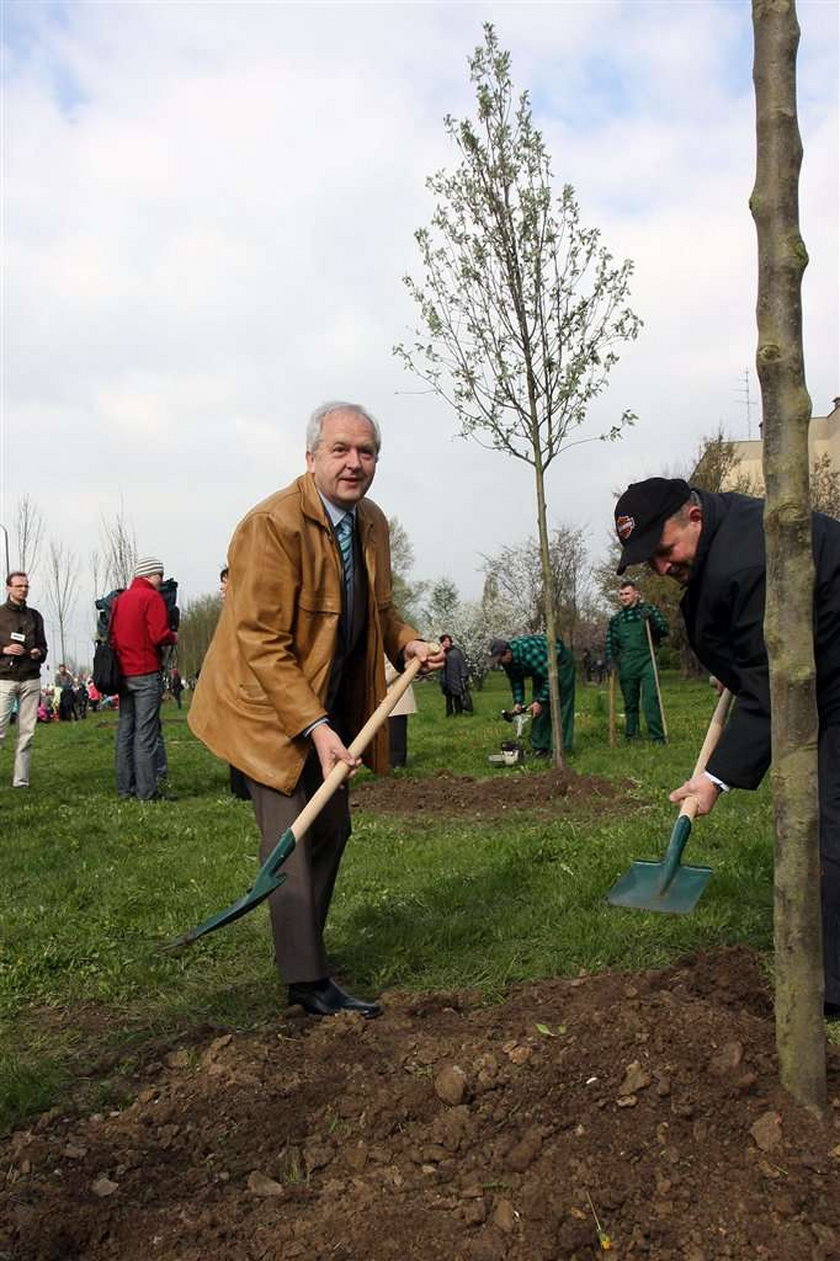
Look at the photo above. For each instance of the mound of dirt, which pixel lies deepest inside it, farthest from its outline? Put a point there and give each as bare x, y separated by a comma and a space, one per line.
638, 1114
443, 793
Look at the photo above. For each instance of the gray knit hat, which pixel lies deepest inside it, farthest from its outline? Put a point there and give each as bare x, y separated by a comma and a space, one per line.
148, 565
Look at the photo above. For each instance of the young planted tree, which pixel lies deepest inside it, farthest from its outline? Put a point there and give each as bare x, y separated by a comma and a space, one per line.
522, 308
788, 624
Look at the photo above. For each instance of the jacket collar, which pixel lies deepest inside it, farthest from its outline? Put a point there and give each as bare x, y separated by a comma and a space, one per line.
313, 506
714, 510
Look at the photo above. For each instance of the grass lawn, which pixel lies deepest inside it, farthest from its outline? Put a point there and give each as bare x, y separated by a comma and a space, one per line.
93, 887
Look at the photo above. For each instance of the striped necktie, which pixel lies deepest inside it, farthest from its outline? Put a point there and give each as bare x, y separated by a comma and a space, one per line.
344, 534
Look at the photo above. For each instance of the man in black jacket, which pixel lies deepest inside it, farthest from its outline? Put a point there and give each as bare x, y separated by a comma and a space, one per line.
23, 649
713, 545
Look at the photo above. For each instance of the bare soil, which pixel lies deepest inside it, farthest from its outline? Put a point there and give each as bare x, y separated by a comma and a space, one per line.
636, 1114
645, 1107
553, 793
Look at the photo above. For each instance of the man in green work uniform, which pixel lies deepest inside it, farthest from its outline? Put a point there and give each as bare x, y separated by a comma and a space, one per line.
629, 649
526, 657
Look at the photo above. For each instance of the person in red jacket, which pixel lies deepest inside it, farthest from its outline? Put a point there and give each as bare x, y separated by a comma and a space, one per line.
139, 629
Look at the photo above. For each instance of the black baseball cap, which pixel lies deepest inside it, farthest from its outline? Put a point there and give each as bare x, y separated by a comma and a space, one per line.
497, 649
641, 513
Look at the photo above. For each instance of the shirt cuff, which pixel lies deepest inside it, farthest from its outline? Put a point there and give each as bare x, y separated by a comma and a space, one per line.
718, 783
319, 722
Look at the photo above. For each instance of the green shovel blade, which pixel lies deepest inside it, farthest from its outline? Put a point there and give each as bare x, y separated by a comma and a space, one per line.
269, 878
665, 886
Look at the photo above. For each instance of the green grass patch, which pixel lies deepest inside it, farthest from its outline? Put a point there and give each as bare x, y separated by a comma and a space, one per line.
94, 887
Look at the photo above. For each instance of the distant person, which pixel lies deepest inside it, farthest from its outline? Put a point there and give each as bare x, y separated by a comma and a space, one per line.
526, 657
236, 780
629, 651
454, 678
176, 685
65, 682
398, 720
713, 546
296, 668
81, 697
139, 631
23, 650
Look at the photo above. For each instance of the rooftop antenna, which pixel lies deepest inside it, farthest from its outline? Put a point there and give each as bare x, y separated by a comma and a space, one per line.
748, 402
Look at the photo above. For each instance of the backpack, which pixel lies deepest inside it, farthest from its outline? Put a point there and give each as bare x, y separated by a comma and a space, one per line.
106, 669
107, 676
104, 613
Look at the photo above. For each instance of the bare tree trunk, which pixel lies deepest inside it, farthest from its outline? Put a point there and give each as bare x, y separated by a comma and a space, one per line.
30, 528
788, 623
61, 588
120, 550
95, 567
550, 621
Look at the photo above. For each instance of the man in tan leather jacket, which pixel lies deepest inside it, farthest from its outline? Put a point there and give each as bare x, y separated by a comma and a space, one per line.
295, 668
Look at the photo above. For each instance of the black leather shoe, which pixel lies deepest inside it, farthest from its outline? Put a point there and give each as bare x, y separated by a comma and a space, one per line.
325, 998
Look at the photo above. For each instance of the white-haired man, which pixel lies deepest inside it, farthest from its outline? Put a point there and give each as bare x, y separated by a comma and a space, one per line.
295, 668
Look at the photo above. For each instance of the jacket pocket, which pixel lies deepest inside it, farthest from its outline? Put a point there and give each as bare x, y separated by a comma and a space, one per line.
317, 603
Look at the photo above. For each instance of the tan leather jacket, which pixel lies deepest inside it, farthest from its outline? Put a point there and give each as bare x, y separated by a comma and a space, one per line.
265, 676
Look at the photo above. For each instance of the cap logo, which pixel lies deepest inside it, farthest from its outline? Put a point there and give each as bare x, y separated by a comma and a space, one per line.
625, 527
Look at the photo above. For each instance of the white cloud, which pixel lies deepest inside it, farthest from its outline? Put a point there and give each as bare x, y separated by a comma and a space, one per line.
209, 209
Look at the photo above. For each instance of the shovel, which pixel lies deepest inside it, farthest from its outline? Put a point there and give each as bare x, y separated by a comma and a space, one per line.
612, 708
269, 876
668, 886
658, 688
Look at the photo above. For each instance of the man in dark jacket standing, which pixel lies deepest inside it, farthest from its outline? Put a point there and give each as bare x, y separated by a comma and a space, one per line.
23, 650
713, 545
139, 629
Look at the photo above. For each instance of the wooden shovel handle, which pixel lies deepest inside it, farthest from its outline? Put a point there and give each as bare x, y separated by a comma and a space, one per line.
656, 680
611, 687
716, 726
341, 770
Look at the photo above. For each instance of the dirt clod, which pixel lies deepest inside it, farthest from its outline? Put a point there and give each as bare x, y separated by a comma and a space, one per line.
451, 1084
767, 1131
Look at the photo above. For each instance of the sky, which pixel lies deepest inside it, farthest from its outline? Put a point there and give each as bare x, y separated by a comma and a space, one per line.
208, 209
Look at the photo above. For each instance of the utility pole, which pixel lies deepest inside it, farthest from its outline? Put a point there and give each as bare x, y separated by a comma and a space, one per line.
748, 402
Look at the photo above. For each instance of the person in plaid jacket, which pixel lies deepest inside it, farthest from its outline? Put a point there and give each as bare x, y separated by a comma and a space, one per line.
526, 657
628, 650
